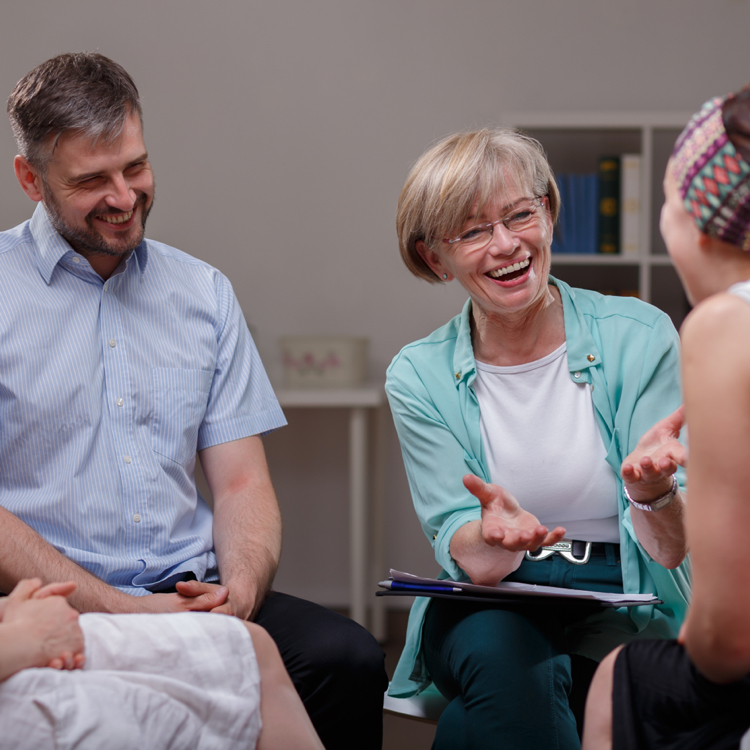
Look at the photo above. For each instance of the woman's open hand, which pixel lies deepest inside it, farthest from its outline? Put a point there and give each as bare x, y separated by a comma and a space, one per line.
647, 471
505, 523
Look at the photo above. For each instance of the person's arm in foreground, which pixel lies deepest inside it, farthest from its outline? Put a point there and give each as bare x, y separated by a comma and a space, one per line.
716, 376
38, 628
247, 525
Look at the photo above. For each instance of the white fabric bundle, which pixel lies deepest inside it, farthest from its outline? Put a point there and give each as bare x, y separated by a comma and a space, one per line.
166, 682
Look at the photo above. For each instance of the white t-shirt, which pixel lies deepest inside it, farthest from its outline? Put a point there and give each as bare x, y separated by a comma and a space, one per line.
543, 445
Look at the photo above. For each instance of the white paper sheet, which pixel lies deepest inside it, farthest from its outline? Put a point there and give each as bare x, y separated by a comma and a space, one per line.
525, 589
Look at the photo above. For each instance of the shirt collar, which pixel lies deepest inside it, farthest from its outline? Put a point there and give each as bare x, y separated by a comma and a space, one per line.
464, 363
51, 248
583, 353
581, 350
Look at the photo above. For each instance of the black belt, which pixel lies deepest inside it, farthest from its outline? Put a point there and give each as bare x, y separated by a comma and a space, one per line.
575, 551
170, 585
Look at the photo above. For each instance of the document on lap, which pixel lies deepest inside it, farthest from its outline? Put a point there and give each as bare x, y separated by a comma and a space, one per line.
406, 584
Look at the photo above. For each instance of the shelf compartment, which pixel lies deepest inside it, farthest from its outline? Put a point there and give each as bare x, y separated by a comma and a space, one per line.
610, 278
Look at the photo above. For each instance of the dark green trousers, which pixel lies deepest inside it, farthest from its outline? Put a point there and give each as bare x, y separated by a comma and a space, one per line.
507, 668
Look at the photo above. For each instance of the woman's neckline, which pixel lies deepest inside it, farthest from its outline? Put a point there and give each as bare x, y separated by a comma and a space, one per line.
506, 347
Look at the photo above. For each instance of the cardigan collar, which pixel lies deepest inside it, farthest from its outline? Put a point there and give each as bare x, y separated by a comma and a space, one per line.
582, 351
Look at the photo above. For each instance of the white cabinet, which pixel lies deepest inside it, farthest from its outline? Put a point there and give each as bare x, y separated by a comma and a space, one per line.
574, 142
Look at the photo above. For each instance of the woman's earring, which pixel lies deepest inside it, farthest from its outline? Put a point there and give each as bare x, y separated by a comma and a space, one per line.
445, 277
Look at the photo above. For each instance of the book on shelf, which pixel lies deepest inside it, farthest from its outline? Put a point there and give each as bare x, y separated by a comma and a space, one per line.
601, 212
576, 230
609, 204
560, 234
630, 203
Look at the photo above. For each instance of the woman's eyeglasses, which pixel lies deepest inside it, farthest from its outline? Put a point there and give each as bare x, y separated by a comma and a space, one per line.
523, 215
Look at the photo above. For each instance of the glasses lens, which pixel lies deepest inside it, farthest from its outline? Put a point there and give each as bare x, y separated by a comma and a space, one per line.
522, 217
475, 238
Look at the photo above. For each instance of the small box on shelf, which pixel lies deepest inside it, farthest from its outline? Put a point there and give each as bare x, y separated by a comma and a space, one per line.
324, 361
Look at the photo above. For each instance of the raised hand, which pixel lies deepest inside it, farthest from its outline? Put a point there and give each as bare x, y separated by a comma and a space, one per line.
648, 470
505, 523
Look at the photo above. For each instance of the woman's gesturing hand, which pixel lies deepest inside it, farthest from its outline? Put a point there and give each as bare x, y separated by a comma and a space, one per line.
505, 523
647, 471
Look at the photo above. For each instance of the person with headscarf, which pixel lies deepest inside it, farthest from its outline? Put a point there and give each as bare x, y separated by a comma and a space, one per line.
694, 692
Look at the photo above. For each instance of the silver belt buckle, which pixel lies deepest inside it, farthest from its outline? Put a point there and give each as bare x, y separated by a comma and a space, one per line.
563, 548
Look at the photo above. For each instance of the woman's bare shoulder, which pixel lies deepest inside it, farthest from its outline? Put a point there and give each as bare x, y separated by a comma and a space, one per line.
717, 320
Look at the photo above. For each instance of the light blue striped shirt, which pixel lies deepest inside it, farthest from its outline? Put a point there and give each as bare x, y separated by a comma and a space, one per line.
107, 389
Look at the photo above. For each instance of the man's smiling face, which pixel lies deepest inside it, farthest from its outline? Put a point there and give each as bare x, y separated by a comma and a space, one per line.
98, 194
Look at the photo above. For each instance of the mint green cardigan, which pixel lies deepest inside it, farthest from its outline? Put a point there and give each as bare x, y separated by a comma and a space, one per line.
628, 352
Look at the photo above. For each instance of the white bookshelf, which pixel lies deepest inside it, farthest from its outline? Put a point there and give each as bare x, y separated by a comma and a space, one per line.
574, 142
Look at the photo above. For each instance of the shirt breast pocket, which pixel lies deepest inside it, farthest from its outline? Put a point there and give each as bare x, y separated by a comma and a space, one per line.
179, 403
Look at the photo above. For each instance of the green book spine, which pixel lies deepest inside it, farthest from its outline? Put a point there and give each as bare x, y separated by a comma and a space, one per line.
609, 204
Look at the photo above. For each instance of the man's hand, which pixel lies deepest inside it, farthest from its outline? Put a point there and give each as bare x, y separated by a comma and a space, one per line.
229, 604
504, 523
647, 471
191, 596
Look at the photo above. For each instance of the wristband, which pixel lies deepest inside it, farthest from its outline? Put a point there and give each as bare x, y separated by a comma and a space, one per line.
659, 503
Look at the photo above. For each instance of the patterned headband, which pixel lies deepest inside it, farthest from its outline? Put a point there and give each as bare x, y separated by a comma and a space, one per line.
712, 177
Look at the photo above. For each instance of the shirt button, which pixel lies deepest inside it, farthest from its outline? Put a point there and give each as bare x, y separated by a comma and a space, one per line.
120, 402
576, 375
128, 459
137, 518
105, 287
76, 259
591, 358
112, 343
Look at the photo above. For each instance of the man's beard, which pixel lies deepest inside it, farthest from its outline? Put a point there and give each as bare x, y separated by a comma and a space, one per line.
89, 241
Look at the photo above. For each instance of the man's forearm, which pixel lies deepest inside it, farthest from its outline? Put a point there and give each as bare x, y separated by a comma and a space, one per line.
247, 521
247, 539
25, 554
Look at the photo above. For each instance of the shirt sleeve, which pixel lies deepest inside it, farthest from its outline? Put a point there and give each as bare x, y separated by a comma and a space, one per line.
649, 395
241, 401
435, 460
658, 385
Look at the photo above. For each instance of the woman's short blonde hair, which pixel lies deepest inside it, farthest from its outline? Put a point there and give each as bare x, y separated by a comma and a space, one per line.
461, 174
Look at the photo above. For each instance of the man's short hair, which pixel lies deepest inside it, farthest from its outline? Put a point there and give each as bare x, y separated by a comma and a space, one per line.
81, 91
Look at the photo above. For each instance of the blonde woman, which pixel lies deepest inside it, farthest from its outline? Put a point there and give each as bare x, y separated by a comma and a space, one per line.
519, 422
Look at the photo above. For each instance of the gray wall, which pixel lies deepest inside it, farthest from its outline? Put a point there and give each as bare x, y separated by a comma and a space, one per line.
281, 133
